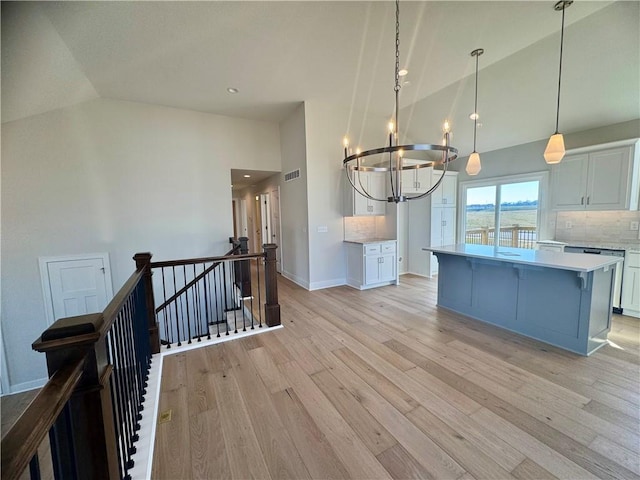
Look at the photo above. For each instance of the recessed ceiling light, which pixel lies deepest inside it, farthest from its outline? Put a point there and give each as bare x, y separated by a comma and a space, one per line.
403, 72
474, 116
232, 90
247, 176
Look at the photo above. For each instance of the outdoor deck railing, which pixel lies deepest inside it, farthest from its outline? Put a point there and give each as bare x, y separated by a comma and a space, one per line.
513, 236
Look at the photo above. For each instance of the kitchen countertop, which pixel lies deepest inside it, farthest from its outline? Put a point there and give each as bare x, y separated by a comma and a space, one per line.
365, 241
610, 246
579, 262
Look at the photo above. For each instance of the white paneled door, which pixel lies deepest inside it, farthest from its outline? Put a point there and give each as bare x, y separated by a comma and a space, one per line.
75, 285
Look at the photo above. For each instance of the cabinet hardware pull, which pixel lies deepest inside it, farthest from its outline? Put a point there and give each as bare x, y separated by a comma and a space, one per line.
588, 198
582, 201
444, 200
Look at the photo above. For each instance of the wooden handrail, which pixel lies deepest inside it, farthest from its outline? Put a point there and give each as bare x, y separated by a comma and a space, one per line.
190, 261
196, 279
21, 442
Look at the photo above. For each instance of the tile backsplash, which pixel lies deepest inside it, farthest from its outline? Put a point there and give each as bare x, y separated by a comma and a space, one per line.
611, 228
361, 228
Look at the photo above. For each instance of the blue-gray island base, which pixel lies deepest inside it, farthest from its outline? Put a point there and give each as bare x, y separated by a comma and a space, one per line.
563, 299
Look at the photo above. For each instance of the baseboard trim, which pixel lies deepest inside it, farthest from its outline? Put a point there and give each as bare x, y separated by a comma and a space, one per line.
295, 279
26, 386
337, 282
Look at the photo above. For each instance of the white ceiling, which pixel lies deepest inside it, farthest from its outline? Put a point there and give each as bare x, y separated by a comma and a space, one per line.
186, 54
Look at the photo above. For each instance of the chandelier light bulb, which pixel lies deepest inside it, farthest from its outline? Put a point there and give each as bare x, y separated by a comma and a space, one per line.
446, 128
391, 127
345, 142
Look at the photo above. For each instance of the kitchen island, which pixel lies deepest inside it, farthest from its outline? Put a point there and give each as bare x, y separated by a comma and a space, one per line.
563, 299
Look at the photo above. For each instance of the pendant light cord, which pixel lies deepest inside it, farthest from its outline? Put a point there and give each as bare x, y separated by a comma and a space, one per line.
560, 69
475, 108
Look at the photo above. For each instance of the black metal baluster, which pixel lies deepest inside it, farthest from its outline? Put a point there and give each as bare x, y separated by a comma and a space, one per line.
34, 467
127, 420
176, 307
207, 300
133, 358
164, 310
252, 295
186, 299
258, 262
216, 275
115, 405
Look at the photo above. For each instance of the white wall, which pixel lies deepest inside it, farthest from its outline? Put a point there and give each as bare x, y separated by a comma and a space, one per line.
326, 125
119, 177
293, 200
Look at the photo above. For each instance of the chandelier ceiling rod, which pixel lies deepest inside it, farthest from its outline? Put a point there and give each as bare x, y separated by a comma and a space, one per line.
354, 162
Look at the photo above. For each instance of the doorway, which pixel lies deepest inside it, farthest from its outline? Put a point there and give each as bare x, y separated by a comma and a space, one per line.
75, 285
276, 233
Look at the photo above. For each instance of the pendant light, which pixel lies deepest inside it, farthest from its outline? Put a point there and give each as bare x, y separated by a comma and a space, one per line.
555, 148
473, 164
393, 162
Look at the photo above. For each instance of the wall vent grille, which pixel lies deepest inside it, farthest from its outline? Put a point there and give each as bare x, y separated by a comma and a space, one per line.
288, 177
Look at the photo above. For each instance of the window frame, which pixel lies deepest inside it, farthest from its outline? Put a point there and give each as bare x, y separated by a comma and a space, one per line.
543, 188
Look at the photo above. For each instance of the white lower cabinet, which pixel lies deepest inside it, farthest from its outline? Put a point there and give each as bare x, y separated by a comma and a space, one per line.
371, 264
631, 285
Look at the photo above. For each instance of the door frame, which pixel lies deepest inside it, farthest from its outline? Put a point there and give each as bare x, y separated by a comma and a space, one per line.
276, 206
44, 262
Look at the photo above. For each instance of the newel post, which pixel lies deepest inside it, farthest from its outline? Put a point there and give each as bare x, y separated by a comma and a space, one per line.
244, 245
83, 437
272, 307
143, 262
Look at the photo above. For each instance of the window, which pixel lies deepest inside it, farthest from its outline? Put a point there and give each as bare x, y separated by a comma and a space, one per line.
518, 217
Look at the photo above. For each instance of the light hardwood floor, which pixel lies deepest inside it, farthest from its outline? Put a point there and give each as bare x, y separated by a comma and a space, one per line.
382, 384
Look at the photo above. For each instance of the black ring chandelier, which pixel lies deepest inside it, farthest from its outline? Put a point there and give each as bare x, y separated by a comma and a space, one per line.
353, 162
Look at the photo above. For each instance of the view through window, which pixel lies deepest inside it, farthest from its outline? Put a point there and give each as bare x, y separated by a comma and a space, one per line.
517, 215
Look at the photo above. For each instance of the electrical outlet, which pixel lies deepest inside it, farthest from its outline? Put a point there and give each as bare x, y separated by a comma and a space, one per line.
633, 226
568, 224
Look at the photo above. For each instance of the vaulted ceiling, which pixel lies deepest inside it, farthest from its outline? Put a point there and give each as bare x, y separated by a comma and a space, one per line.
278, 54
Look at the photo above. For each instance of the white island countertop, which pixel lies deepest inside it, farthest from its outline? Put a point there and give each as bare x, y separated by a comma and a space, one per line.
579, 262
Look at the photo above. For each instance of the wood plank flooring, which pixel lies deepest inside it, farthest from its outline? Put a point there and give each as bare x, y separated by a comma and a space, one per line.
382, 384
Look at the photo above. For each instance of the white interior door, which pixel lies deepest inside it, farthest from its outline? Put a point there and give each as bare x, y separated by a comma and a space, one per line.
265, 215
244, 228
276, 233
75, 285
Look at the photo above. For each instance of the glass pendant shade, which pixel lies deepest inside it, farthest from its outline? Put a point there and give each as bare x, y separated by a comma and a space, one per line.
555, 149
473, 164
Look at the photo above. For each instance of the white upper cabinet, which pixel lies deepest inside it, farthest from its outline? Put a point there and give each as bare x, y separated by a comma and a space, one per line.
597, 178
445, 194
374, 184
416, 180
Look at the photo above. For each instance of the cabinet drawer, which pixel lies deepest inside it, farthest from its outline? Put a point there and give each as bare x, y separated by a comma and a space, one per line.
388, 248
632, 260
373, 249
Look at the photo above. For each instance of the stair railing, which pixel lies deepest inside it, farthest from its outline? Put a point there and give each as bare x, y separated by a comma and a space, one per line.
215, 296
91, 406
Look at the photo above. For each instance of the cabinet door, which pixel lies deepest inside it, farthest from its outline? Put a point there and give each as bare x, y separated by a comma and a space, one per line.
569, 183
377, 189
409, 184
445, 194
631, 289
371, 269
423, 179
607, 179
387, 268
448, 226
436, 226
372, 183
